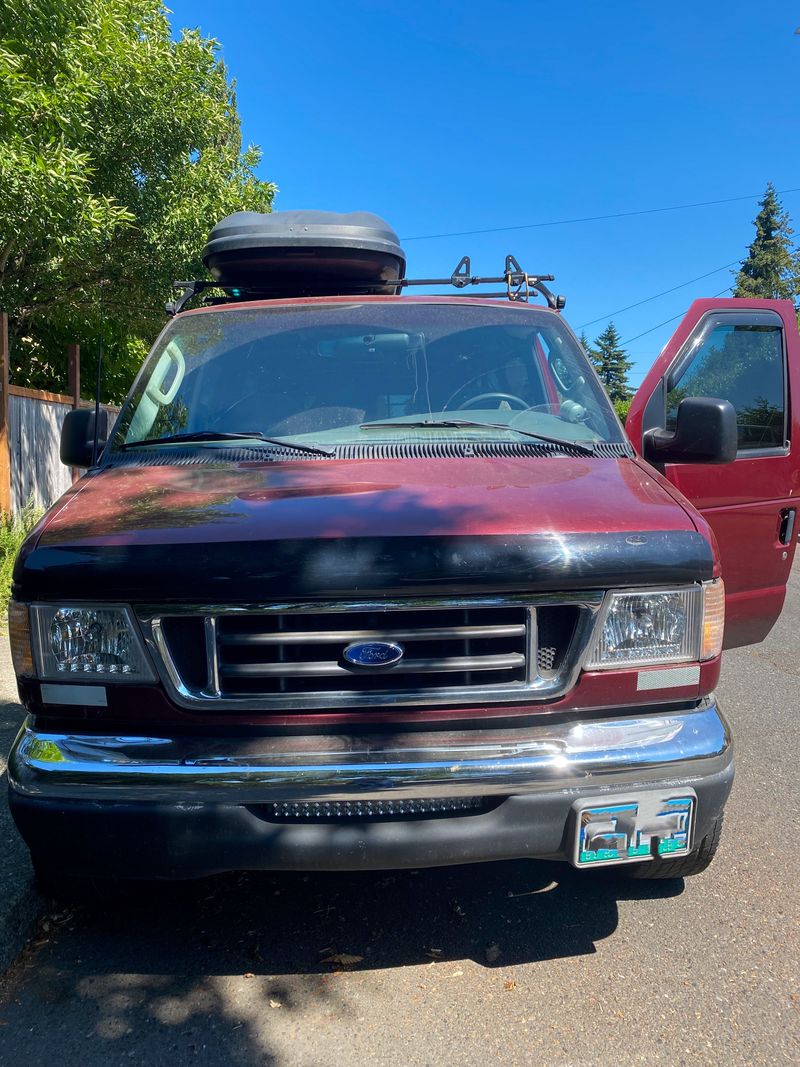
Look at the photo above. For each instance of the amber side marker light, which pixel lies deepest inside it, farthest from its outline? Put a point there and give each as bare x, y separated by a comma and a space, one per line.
19, 631
713, 619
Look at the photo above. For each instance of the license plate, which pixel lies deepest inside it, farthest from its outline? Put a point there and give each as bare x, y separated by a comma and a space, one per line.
633, 829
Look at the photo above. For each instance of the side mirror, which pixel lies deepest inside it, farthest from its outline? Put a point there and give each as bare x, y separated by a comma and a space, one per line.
77, 436
705, 432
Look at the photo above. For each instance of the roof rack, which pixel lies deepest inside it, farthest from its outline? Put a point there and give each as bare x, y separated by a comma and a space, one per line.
519, 285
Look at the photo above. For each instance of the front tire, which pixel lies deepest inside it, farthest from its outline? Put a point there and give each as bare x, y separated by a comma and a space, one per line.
684, 866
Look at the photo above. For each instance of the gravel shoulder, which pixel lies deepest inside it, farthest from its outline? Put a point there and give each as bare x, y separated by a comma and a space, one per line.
20, 904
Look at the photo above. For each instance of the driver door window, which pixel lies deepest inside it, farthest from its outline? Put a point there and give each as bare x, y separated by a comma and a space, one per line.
743, 363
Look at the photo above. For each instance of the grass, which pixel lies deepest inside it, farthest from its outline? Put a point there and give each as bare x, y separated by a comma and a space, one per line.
12, 533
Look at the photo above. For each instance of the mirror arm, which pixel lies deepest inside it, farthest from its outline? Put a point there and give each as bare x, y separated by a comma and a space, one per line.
657, 443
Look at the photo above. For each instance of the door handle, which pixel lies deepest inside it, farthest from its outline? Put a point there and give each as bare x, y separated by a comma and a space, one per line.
786, 529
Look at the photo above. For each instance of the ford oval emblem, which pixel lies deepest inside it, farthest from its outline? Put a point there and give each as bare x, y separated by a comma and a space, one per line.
373, 655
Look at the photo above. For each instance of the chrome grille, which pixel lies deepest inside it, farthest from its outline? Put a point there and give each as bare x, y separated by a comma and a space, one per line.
284, 653
291, 656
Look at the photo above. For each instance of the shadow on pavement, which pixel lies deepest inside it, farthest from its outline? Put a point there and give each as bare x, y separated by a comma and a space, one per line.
288, 923
190, 971
152, 973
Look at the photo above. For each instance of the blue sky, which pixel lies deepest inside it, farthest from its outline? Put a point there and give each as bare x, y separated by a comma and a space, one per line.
445, 117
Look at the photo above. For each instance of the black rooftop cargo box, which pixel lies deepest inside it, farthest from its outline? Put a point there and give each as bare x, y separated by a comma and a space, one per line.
298, 253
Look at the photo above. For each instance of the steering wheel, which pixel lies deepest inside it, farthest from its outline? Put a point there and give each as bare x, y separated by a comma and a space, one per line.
475, 401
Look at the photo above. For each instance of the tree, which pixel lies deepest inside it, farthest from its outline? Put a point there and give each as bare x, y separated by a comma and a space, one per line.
612, 364
587, 348
119, 149
771, 268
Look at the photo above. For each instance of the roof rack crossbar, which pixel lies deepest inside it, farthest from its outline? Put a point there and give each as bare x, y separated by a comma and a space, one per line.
519, 285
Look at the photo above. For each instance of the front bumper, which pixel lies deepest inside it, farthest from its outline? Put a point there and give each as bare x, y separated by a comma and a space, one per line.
159, 807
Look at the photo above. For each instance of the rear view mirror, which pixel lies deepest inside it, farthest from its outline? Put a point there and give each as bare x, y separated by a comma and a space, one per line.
705, 432
368, 345
77, 436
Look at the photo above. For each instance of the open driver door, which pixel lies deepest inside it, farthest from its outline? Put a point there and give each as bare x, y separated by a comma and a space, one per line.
746, 352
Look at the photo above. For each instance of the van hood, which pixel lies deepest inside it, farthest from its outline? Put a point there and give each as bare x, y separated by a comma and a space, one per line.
251, 531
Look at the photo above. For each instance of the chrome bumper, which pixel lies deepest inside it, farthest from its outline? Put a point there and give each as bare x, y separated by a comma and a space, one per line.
576, 756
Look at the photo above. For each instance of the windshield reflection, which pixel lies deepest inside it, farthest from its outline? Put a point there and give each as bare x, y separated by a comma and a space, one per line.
318, 373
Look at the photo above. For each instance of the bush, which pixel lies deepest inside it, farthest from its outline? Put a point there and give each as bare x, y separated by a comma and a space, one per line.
12, 533
621, 407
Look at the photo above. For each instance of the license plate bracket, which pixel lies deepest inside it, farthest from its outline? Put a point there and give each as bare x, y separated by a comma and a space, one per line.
633, 828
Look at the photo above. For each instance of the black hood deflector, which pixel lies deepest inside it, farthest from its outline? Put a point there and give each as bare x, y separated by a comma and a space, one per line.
371, 567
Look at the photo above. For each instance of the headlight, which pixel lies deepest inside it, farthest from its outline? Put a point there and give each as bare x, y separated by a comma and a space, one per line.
77, 643
665, 626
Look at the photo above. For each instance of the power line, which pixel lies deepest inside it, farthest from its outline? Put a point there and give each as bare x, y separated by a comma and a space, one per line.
647, 299
593, 218
667, 321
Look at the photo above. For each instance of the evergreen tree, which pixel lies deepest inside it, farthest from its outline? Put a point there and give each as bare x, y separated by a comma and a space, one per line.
612, 364
586, 345
771, 267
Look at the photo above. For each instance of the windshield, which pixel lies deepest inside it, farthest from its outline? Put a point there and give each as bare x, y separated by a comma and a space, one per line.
322, 374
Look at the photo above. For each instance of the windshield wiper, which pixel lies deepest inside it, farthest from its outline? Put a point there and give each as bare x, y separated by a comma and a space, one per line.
458, 424
225, 435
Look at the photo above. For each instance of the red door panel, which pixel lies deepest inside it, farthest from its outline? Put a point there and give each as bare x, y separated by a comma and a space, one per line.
748, 502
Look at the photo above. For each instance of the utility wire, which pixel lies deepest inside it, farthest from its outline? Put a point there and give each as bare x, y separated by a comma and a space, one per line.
647, 299
594, 218
680, 315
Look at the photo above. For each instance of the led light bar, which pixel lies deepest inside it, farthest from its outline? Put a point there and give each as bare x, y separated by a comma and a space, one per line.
317, 811
84, 642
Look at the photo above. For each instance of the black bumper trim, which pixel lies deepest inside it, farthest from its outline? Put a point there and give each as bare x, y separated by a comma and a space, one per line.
150, 840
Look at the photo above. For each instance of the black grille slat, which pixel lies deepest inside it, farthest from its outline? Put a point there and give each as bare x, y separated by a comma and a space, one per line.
315, 669
334, 636
380, 685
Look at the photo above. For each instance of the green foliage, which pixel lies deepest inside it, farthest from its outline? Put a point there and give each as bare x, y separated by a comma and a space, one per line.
119, 149
612, 364
622, 407
12, 533
771, 269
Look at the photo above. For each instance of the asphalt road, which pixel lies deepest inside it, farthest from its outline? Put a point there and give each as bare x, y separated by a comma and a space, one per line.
511, 963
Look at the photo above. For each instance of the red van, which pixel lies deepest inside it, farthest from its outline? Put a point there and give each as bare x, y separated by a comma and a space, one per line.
369, 580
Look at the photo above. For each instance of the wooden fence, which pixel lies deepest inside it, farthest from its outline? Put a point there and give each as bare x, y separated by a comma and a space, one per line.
30, 434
